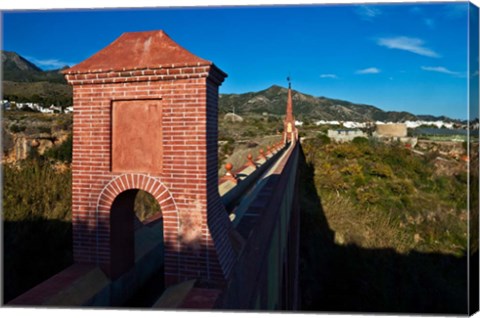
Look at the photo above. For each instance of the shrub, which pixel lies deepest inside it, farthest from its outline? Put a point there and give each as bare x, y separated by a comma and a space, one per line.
17, 128
360, 141
347, 151
380, 170
145, 205
64, 122
35, 190
45, 129
323, 139
62, 152
368, 194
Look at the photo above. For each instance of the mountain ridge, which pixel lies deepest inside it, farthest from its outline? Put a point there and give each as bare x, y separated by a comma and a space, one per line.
16, 68
308, 107
23, 81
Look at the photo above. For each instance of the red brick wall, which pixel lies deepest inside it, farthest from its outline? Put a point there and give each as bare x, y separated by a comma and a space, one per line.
196, 225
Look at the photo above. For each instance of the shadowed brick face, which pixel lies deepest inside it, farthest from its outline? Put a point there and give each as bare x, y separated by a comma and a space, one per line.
153, 129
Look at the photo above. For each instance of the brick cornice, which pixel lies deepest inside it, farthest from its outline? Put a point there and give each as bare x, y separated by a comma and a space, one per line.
217, 75
162, 73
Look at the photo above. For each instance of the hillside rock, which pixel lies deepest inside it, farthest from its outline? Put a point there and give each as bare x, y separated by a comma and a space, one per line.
19, 146
24, 133
7, 141
234, 118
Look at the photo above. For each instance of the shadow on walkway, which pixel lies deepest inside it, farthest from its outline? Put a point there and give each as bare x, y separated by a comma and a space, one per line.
33, 251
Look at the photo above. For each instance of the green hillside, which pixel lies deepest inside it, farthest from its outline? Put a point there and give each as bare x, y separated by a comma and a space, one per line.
46, 93
23, 81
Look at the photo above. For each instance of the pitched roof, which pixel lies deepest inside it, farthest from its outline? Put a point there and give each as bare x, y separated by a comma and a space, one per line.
138, 50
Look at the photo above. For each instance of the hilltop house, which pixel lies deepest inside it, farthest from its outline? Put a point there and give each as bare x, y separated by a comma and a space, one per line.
394, 132
345, 135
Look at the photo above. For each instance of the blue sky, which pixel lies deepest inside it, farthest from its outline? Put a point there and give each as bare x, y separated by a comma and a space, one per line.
403, 57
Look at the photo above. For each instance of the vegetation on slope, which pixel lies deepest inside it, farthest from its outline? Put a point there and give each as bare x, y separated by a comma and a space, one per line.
382, 230
23, 81
37, 224
36, 202
43, 93
33, 124
377, 182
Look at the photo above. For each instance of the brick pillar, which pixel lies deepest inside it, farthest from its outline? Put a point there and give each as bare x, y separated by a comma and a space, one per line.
145, 117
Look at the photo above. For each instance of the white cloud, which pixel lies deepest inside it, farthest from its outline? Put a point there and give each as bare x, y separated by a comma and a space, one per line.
49, 64
368, 12
440, 69
328, 76
404, 43
370, 70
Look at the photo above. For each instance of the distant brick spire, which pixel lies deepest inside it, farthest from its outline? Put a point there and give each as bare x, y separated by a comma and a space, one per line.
289, 122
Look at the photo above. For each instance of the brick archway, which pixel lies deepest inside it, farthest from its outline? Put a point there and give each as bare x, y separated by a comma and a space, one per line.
120, 185
130, 181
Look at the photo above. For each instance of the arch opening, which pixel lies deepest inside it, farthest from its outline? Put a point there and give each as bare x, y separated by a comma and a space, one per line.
146, 208
136, 226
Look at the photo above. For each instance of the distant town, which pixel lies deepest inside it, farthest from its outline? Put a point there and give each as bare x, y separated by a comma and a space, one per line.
35, 107
408, 124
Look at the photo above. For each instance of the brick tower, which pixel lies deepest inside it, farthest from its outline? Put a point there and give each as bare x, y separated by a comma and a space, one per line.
289, 130
145, 118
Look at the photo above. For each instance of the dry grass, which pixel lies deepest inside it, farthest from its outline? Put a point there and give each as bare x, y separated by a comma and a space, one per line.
367, 228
